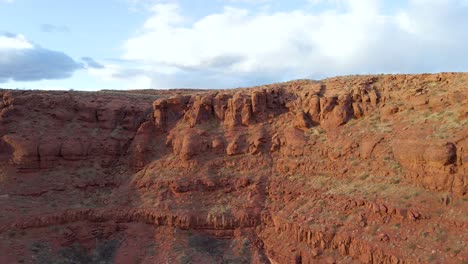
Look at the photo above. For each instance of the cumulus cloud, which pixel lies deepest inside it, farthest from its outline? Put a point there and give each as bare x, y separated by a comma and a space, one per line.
22, 60
237, 46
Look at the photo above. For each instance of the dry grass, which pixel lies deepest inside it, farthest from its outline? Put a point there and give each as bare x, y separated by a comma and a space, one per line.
365, 185
370, 123
220, 209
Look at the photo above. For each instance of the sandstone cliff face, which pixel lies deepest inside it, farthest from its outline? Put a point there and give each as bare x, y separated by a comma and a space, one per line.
364, 169
240, 117
45, 131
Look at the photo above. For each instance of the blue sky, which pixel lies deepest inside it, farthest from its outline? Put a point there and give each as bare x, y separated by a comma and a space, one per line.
139, 44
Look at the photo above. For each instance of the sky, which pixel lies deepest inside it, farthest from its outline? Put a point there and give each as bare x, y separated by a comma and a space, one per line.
160, 44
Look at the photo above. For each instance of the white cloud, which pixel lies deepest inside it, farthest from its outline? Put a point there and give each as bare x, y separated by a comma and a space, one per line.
126, 78
16, 42
240, 47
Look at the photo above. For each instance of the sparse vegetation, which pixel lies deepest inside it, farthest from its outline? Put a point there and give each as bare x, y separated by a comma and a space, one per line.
364, 176
220, 209
103, 253
318, 132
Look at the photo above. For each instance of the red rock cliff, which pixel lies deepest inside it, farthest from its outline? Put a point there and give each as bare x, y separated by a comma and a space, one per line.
359, 169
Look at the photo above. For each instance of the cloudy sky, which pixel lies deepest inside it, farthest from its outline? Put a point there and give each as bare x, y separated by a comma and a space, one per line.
139, 44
